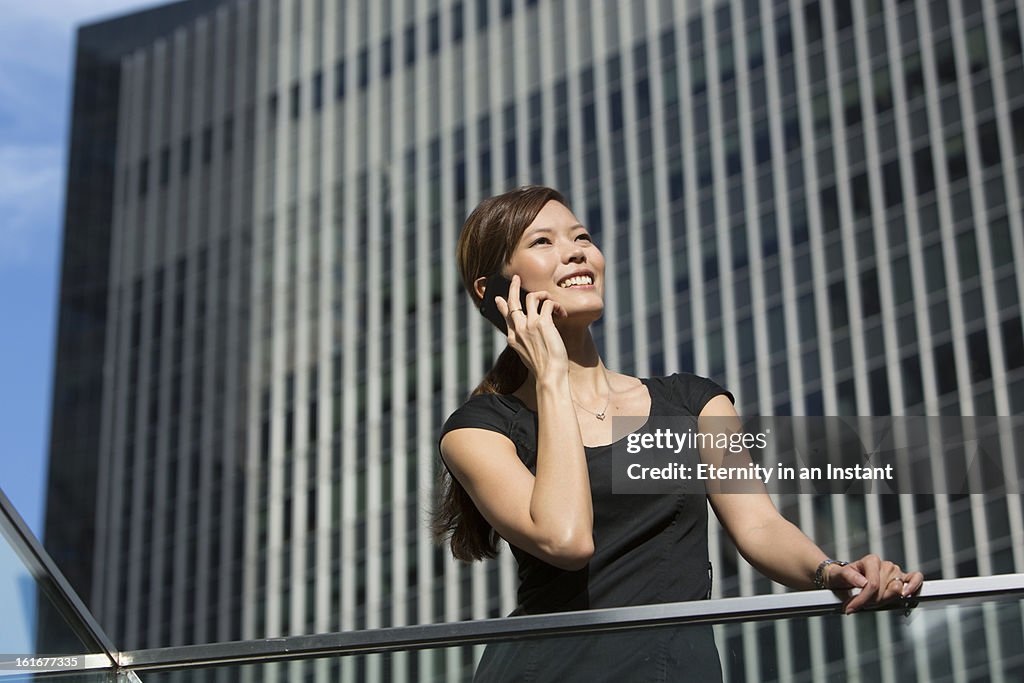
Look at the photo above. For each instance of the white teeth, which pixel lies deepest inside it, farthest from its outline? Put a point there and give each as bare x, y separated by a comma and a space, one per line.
577, 280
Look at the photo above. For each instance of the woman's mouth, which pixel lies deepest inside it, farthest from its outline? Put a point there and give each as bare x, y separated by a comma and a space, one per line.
577, 282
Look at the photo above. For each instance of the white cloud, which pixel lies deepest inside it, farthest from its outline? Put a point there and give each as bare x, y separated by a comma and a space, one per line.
31, 195
36, 63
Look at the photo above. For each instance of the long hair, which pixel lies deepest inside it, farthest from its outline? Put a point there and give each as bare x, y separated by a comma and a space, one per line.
486, 244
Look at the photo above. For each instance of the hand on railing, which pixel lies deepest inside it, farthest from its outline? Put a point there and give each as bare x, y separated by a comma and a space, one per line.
880, 582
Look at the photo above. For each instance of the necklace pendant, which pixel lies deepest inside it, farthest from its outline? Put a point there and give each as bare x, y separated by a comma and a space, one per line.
599, 416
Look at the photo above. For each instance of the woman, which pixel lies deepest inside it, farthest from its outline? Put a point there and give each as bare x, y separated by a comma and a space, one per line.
529, 461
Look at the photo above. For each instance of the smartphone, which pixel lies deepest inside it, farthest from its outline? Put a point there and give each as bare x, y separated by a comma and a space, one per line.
499, 285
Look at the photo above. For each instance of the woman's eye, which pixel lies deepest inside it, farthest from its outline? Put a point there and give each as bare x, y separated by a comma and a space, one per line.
583, 236
539, 240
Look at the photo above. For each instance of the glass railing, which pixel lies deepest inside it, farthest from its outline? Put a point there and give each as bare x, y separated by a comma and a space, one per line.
954, 630
33, 590
962, 629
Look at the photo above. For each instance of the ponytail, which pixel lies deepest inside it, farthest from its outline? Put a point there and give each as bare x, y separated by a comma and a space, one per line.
507, 375
457, 517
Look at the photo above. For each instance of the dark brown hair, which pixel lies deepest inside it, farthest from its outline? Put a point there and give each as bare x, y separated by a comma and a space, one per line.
488, 240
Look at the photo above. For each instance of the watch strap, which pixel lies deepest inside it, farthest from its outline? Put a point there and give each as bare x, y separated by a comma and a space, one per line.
819, 574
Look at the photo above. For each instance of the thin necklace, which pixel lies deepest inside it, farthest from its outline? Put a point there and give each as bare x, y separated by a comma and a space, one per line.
604, 411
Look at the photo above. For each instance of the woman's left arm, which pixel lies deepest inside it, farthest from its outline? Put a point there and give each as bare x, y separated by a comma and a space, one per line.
775, 546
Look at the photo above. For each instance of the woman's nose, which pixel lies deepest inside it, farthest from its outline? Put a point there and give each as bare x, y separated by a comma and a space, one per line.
575, 254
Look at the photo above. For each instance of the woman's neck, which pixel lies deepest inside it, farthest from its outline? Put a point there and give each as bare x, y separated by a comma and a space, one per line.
588, 377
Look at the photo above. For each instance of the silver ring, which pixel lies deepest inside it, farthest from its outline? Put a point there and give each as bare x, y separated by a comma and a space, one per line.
517, 310
896, 578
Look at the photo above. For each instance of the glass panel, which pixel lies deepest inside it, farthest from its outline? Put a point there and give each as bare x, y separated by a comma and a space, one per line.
935, 642
628, 655
38, 620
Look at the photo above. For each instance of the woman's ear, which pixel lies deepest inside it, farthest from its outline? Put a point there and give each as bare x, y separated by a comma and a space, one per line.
480, 285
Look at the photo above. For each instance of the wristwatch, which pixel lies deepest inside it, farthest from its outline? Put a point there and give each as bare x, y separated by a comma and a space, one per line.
819, 574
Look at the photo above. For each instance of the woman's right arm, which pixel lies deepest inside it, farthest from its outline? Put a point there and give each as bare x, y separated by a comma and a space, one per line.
549, 515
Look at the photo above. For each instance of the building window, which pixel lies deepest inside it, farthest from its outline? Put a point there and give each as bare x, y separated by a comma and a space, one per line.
434, 33
363, 66
318, 91
186, 155
410, 44
481, 14
945, 368
385, 58
1013, 343
207, 145
165, 165
457, 20
143, 177
339, 80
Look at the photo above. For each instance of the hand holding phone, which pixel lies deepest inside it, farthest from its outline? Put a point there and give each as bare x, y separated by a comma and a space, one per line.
499, 285
540, 347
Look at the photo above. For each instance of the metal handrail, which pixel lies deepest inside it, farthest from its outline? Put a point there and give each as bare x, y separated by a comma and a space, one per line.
725, 610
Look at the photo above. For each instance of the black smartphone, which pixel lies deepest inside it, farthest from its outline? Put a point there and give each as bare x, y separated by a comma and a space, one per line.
499, 285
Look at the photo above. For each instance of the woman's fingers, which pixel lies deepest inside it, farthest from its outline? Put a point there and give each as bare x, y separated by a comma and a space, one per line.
532, 308
534, 301
883, 582
558, 309
893, 586
539, 345
509, 315
853, 578
513, 290
545, 308
868, 567
841, 578
502, 305
552, 309
535, 307
912, 583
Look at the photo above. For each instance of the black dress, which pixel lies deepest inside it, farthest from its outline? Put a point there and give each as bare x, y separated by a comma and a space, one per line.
647, 549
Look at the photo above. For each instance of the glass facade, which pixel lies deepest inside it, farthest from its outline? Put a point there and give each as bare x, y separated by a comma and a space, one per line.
817, 204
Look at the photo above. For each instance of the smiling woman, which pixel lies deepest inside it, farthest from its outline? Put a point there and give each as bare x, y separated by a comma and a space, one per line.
528, 460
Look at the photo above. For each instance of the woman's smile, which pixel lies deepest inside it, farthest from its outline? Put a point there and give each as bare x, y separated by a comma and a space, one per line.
580, 279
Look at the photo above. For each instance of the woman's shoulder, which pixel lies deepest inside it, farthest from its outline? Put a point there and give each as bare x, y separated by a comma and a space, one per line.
484, 411
690, 391
620, 381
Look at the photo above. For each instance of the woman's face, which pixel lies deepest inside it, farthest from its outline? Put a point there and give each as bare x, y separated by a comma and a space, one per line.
555, 254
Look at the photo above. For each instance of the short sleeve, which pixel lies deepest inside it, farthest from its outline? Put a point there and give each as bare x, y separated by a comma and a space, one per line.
693, 391
483, 411
486, 411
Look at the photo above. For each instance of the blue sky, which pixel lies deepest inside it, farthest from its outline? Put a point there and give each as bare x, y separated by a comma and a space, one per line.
36, 52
